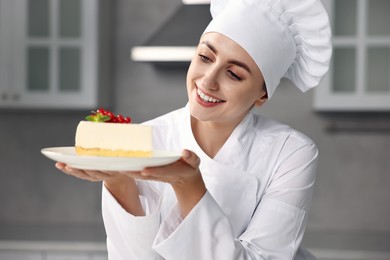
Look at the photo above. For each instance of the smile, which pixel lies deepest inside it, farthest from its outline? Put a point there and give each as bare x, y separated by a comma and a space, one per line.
206, 98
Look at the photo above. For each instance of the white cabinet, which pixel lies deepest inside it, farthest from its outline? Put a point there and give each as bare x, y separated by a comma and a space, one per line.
359, 76
50, 53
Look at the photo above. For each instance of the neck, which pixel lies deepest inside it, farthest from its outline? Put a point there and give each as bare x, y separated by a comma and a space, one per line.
211, 136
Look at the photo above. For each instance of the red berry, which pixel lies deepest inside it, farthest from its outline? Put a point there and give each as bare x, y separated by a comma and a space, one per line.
120, 119
110, 114
127, 120
113, 118
101, 111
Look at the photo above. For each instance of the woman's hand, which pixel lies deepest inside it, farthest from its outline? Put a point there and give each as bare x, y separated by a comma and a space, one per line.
89, 175
184, 176
122, 187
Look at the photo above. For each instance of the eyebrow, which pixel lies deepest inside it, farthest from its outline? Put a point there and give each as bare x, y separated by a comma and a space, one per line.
235, 62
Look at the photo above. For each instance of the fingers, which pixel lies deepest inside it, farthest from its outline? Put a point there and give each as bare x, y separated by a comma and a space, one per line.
89, 175
132, 174
178, 171
60, 166
191, 158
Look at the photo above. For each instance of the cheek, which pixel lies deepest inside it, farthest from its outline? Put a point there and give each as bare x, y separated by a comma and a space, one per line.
247, 100
192, 71
247, 97
190, 80
189, 76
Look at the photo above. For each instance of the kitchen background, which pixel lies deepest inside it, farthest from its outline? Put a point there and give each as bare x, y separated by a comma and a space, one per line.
45, 214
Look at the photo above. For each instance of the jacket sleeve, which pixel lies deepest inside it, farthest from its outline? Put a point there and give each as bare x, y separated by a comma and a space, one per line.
130, 237
275, 230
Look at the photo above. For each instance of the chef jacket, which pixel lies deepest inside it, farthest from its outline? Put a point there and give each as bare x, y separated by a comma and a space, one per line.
259, 187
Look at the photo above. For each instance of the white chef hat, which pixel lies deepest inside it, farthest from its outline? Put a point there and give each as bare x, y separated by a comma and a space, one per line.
286, 38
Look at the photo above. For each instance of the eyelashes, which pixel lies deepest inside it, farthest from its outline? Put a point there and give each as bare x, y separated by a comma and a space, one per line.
234, 76
230, 73
204, 58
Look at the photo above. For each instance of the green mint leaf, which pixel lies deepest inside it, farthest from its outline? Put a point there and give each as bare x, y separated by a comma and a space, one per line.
92, 118
97, 118
104, 118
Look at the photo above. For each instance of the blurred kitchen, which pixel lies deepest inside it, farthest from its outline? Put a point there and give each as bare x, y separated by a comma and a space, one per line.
59, 59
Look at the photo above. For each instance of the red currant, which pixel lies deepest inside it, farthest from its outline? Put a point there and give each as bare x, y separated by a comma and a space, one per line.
101, 112
120, 119
110, 114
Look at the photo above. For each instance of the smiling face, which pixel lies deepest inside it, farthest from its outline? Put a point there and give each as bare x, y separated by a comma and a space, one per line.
223, 81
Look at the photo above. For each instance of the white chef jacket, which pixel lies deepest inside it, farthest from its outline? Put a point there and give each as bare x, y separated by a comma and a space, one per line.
259, 187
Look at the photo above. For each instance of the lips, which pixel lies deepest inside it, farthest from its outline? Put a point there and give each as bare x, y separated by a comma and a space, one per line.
206, 98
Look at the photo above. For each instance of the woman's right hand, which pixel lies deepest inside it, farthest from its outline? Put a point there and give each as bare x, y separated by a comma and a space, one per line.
122, 187
89, 175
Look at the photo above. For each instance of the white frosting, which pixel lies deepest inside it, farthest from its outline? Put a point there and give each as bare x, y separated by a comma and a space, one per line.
114, 136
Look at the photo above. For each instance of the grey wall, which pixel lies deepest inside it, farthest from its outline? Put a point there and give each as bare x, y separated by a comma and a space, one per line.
352, 193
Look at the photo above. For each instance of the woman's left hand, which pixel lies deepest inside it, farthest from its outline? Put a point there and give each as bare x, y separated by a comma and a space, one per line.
184, 176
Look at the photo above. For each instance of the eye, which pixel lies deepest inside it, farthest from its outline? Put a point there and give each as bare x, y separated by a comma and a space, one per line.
204, 58
234, 76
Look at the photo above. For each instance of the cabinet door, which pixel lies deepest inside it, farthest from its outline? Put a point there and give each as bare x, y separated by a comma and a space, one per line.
359, 75
6, 71
54, 53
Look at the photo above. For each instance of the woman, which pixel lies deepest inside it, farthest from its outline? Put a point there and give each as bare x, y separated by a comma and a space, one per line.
243, 186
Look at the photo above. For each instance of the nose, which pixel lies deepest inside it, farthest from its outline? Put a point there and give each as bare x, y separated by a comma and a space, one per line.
210, 79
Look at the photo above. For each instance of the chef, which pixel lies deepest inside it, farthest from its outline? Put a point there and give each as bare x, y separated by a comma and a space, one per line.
243, 186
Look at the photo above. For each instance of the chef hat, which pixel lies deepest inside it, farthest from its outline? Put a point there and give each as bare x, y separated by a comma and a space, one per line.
286, 38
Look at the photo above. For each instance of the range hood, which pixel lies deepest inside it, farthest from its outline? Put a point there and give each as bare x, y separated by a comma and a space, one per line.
175, 41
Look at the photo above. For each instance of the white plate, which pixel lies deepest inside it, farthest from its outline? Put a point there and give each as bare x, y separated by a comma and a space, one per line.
68, 155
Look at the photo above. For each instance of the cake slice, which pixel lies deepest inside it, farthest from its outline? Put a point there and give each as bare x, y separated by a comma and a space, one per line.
108, 135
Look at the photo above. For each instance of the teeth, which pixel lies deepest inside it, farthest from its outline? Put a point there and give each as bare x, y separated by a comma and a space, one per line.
206, 98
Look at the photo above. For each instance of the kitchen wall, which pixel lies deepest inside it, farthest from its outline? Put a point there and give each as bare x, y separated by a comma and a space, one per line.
351, 195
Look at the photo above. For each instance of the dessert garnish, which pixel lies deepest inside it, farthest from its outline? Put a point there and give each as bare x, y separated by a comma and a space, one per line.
104, 115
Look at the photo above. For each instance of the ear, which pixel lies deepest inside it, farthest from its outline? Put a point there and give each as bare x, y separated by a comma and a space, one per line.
260, 101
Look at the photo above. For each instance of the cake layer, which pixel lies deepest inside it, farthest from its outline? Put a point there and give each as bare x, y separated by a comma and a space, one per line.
114, 137
112, 153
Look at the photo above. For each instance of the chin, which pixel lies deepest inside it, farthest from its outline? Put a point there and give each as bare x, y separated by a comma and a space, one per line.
198, 113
